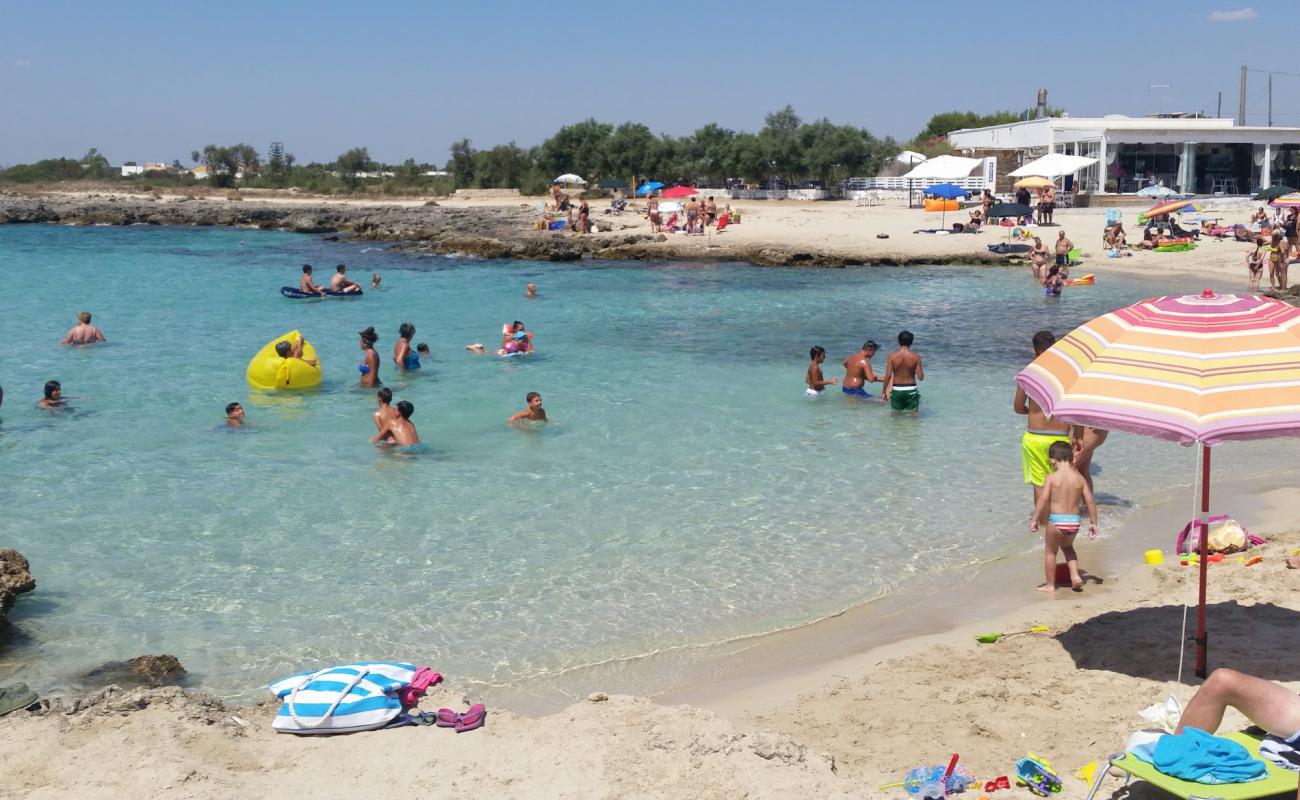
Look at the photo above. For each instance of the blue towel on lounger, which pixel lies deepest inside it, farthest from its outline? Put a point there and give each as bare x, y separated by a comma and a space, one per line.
1195, 755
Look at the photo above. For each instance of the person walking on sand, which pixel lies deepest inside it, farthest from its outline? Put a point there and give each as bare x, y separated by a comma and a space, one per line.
1254, 267
902, 374
858, 372
534, 412
1041, 430
83, 332
306, 285
813, 377
1059, 500
1038, 259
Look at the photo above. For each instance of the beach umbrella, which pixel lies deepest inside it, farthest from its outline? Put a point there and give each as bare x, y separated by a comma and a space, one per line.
1167, 207
945, 191
569, 178
614, 183
1194, 369
1005, 210
1273, 191
1156, 190
670, 207
678, 191
1286, 201
1033, 182
648, 187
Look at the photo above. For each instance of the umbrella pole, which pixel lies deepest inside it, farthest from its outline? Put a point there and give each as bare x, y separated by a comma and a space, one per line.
1202, 644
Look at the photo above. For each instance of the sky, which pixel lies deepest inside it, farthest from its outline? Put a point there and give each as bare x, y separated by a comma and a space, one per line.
153, 81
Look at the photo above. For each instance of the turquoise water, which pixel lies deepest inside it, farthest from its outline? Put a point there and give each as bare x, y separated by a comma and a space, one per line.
688, 492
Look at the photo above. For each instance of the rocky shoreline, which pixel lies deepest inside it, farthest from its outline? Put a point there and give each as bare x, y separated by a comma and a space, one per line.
496, 232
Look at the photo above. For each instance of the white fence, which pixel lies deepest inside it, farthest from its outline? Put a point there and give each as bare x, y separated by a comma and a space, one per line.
767, 194
977, 184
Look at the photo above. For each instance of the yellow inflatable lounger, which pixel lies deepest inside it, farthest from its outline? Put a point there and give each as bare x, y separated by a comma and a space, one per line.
268, 370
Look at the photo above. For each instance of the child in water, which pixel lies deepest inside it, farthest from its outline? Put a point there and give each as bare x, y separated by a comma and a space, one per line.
1060, 496
534, 412
398, 430
816, 382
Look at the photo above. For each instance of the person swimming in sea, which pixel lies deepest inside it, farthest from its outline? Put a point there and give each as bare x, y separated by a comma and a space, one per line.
53, 396
531, 291
1054, 281
814, 379
516, 345
369, 367
374, 280
385, 415
234, 415
858, 372
422, 350
83, 332
534, 412
403, 356
399, 431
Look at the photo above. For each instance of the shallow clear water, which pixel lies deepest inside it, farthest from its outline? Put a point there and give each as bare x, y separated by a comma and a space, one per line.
687, 493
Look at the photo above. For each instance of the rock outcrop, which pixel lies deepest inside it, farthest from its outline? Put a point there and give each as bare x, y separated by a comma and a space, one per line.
15, 579
140, 671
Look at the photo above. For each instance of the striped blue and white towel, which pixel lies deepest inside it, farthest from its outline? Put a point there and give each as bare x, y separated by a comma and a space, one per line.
349, 697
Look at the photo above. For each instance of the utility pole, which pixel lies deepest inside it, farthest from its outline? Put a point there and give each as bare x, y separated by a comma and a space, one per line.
1270, 99
1218, 112
1241, 109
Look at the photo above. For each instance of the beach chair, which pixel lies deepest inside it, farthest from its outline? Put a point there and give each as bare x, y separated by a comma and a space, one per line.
1280, 782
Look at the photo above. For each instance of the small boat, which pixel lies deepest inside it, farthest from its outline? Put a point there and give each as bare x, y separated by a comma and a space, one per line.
297, 294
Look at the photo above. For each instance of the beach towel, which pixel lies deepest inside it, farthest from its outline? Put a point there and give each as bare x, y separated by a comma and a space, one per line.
424, 678
1195, 755
1285, 753
349, 697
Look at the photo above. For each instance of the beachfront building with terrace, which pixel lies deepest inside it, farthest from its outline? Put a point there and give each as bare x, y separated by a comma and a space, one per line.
1189, 155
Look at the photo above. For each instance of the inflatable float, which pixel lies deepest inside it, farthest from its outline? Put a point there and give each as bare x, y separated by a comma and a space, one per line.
269, 371
1082, 280
935, 204
1175, 245
297, 294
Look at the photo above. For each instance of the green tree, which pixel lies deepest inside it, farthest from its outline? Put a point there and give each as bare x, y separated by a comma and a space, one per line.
631, 152
780, 142
462, 163
94, 164
747, 158
503, 167
351, 162
222, 164
581, 148
275, 163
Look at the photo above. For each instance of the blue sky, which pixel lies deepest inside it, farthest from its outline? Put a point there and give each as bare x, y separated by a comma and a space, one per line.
153, 81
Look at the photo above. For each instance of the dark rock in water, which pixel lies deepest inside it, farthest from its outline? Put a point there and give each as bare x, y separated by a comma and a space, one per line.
15, 578
139, 671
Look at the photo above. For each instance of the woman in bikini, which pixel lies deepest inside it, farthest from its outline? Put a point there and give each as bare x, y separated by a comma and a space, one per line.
403, 356
369, 367
1255, 266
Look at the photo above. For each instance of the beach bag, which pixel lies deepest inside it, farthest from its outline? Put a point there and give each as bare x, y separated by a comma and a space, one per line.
1226, 535
342, 699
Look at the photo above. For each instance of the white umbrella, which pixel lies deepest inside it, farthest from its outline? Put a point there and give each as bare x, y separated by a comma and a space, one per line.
1156, 190
670, 207
1053, 165
569, 177
944, 168
909, 157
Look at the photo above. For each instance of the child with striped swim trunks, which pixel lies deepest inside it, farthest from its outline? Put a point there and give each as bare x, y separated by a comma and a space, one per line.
1062, 491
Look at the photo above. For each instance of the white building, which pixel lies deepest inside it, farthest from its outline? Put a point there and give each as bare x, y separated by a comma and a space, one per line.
1187, 154
129, 169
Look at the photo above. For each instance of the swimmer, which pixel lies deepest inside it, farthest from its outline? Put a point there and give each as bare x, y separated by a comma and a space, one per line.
813, 378
83, 332
399, 431
340, 283
53, 395
286, 350
902, 374
858, 372
534, 412
369, 367
386, 413
531, 291
374, 280
403, 356
306, 285
234, 415
422, 350
508, 332
476, 348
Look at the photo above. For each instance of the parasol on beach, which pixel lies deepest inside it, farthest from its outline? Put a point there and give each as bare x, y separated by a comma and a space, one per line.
1168, 207
648, 187
1156, 190
678, 191
1194, 369
1273, 191
1286, 201
569, 179
1033, 182
945, 191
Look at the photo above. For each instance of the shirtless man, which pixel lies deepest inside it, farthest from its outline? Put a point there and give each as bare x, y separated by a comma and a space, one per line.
306, 285
234, 415
1063, 248
1048, 207
83, 332
857, 371
1041, 430
902, 373
534, 412
398, 431
53, 395
340, 283
531, 291
1038, 259
1271, 706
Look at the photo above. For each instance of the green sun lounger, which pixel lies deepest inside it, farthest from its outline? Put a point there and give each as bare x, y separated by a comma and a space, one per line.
1280, 782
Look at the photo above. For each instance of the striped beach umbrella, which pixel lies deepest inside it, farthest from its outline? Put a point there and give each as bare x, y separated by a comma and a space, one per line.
1286, 201
1195, 369
1167, 207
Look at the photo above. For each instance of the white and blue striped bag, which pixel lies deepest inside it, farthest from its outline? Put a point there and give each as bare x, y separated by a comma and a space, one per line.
342, 699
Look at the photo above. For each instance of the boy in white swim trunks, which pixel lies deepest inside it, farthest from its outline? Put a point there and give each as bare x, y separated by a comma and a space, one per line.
814, 378
1060, 499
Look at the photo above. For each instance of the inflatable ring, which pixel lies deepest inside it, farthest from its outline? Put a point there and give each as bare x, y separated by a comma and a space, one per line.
269, 371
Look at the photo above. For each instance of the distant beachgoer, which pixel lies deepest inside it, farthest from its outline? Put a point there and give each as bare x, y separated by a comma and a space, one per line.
1049, 198
340, 283
294, 350
53, 395
584, 217
385, 414
1041, 430
534, 412
369, 367
1022, 196
902, 374
1276, 254
83, 332
986, 202
422, 350
517, 344
1053, 281
509, 334
306, 285
816, 382
710, 212
656, 219
234, 415
403, 356
1038, 259
858, 372
1059, 501
1255, 267
1063, 248
374, 280
531, 291
692, 215
476, 348
399, 430
1114, 238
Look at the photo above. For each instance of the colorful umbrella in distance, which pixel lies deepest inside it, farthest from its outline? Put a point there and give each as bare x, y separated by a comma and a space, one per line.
1034, 182
1156, 190
1195, 369
679, 191
1286, 201
569, 178
1167, 207
948, 191
648, 187
1273, 191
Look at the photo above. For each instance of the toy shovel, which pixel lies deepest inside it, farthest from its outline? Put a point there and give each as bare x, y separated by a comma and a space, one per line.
990, 638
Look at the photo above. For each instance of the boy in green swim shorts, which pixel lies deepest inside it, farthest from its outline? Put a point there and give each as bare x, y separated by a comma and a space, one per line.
902, 373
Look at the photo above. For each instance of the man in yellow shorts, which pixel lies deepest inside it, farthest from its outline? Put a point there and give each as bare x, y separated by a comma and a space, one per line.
1041, 430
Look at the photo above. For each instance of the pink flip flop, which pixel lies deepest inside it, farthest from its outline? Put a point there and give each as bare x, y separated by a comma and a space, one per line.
447, 718
472, 719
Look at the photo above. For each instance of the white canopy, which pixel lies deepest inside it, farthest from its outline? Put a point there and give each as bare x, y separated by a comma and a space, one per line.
945, 168
909, 157
1054, 165
568, 177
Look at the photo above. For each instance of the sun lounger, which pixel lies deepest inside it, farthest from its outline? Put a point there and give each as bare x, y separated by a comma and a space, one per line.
1279, 781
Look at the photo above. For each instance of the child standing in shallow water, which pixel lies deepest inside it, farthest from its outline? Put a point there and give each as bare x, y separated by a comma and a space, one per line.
1060, 496
816, 382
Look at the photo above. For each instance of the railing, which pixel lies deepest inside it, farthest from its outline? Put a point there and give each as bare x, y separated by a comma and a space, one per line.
767, 194
976, 184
